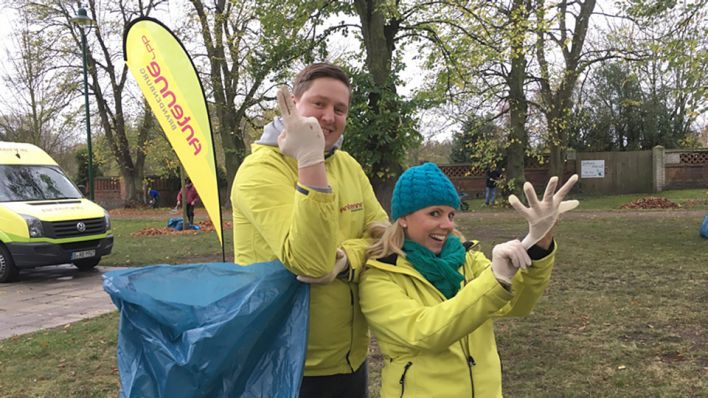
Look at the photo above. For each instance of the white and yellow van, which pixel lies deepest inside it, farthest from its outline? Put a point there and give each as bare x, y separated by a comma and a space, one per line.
44, 218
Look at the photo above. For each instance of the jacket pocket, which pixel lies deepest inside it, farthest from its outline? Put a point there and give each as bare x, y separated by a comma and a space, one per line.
402, 381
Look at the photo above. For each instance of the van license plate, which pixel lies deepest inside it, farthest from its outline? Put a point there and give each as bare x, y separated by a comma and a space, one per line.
83, 254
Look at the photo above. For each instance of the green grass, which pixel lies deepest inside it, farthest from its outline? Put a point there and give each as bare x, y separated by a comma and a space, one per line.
696, 199
691, 199
77, 360
624, 314
172, 249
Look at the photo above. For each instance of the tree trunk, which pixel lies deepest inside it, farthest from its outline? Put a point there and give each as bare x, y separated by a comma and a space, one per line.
379, 34
114, 129
234, 149
558, 134
518, 106
133, 188
183, 195
148, 124
111, 113
223, 76
559, 102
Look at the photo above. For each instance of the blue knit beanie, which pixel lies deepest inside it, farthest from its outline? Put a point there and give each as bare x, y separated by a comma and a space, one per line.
420, 187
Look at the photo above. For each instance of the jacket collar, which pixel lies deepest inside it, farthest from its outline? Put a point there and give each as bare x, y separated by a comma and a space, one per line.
399, 265
404, 267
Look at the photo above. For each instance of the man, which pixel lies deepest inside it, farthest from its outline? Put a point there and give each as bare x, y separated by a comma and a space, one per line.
299, 199
491, 186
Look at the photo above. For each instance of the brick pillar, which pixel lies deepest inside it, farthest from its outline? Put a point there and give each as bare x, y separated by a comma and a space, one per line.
658, 168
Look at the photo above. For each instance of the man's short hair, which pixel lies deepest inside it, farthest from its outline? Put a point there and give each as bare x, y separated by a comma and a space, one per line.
304, 79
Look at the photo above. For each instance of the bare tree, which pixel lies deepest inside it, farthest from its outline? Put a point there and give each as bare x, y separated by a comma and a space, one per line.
557, 90
38, 105
108, 74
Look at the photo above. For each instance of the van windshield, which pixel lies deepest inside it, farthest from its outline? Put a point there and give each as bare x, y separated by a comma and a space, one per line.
27, 183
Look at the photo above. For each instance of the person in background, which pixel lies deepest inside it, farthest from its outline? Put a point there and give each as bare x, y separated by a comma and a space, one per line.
299, 199
154, 197
490, 190
192, 199
431, 298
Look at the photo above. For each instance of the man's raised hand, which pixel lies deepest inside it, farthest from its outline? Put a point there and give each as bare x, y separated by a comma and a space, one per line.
542, 215
302, 137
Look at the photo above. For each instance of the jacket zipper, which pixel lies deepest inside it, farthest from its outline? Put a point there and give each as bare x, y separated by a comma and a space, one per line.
470, 364
402, 382
351, 331
468, 352
470, 360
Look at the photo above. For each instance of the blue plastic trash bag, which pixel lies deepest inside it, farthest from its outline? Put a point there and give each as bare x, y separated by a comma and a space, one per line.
704, 228
210, 330
177, 223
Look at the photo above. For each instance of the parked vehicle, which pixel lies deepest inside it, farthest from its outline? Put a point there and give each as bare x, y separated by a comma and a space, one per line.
44, 218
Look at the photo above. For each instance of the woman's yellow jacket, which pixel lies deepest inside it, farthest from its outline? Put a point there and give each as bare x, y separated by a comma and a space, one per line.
276, 218
434, 347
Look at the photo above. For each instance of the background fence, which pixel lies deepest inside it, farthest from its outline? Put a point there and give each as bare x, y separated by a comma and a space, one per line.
685, 169
110, 191
605, 172
621, 172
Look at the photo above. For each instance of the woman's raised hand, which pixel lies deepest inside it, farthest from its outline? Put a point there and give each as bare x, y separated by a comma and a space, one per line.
542, 215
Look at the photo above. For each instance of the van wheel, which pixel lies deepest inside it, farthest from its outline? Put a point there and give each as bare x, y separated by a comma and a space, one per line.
8, 272
87, 264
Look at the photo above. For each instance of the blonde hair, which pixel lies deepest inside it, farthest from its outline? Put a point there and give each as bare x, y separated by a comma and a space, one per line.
389, 239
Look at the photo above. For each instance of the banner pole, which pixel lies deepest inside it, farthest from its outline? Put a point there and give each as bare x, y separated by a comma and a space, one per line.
218, 193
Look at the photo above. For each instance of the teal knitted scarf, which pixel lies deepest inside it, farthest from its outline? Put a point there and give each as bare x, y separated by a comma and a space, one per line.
440, 270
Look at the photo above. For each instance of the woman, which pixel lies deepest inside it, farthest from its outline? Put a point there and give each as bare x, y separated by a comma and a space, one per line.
431, 299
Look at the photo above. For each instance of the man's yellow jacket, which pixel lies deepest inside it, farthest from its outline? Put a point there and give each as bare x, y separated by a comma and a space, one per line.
437, 347
274, 217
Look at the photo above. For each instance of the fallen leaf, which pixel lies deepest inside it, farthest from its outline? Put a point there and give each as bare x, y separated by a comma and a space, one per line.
650, 202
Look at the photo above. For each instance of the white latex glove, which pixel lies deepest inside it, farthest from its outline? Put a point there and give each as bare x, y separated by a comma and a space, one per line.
507, 258
341, 263
302, 137
543, 215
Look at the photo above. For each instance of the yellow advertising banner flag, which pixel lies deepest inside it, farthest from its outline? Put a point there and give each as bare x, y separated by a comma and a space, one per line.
168, 79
